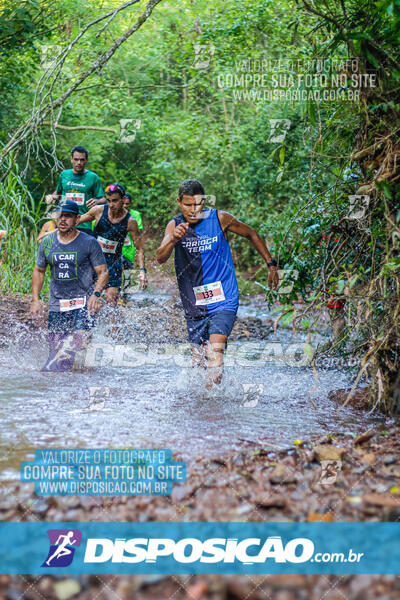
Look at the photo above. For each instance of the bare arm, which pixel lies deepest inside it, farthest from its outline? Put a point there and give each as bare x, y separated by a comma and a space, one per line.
230, 223
54, 197
92, 214
92, 202
172, 235
37, 284
44, 231
102, 278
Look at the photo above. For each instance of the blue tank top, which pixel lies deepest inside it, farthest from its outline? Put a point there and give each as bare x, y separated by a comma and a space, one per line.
111, 236
204, 268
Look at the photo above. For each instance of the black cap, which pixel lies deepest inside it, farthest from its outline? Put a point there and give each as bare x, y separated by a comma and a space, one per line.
68, 206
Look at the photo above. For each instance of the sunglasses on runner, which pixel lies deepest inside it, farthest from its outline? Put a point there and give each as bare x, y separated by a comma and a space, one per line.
115, 187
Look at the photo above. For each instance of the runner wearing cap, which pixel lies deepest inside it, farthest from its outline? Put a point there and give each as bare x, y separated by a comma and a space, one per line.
79, 185
206, 273
113, 223
74, 258
129, 250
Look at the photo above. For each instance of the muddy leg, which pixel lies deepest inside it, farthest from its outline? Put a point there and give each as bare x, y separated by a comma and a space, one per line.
215, 359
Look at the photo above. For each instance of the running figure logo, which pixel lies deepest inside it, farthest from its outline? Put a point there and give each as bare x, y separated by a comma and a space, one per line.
61, 550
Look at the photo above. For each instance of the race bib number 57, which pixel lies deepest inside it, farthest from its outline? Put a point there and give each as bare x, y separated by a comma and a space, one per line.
72, 304
209, 293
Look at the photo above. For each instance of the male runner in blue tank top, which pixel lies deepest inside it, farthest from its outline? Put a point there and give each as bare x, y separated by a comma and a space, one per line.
113, 223
206, 273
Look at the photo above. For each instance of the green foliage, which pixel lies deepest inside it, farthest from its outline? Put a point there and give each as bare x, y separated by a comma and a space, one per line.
190, 125
18, 217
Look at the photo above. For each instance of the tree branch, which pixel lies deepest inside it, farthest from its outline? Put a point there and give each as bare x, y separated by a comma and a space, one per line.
64, 53
84, 127
335, 22
130, 87
30, 127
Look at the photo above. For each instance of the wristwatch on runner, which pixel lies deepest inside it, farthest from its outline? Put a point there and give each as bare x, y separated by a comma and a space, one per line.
273, 263
97, 294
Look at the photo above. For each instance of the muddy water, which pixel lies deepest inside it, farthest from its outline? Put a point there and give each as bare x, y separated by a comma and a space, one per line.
131, 392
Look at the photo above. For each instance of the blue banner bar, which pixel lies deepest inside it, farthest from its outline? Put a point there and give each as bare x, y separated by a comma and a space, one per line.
209, 548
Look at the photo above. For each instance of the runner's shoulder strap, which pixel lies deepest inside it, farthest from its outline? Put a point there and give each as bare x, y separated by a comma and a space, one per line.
179, 219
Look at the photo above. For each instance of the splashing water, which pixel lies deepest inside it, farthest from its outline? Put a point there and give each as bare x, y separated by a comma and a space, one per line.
159, 401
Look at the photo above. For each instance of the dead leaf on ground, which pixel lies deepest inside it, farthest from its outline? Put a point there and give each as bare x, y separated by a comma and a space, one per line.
66, 589
269, 500
282, 474
329, 452
369, 458
315, 517
380, 500
364, 437
197, 590
180, 492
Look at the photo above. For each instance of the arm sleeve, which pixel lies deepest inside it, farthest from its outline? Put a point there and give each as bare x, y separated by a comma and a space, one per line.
41, 259
96, 254
97, 188
59, 187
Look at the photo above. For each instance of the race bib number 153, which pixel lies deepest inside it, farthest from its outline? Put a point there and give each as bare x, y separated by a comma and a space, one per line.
209, 293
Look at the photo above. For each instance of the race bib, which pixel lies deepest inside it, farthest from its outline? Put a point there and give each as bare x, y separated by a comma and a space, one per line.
209, 293
72, 304
108, 246
127, 240
78, 197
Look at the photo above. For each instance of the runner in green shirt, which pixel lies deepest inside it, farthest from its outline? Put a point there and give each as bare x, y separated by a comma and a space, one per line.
79, 185
129, 250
